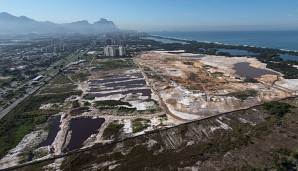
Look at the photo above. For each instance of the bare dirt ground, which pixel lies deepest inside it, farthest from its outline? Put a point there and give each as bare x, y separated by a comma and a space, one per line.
195, 88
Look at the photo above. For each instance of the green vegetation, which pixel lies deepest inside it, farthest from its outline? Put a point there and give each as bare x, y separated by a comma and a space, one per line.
164, 116
75, 104
188, 63
276, 63
126, 110
250, 80
277, 108
112, 64
284, 159
78, 111
242, 95
87, 104
39, 154
141, 157
82, 76
88, 58
14, 93
23, 119
111, 103
58, 90
28, 154
150, 111
60, 84
61, 79
5, 82
170, 59
140, 124
113, 130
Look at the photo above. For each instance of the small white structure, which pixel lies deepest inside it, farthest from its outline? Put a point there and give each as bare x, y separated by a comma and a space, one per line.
38, 78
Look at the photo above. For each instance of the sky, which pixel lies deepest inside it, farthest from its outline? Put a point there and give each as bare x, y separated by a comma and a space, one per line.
164, 15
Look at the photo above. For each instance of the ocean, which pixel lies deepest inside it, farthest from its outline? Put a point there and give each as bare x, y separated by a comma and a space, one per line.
287, 40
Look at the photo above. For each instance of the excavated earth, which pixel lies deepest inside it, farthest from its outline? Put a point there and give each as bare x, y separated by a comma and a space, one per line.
195, 88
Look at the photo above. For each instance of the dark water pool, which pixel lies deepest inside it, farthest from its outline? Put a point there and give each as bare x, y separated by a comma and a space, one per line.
138, 75
237, 52
244, 69
108, 80
289, 57
127, 83
54, 129
82, 129
118, 78
144, 92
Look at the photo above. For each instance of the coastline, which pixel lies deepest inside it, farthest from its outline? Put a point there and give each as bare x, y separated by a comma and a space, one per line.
217, 43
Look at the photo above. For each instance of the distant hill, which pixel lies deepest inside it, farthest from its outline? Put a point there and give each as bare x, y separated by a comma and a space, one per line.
23, 25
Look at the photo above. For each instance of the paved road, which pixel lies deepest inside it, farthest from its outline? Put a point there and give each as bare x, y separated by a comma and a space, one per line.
52, 72
14, 104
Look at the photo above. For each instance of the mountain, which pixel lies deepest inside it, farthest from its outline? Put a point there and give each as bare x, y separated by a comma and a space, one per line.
23, 25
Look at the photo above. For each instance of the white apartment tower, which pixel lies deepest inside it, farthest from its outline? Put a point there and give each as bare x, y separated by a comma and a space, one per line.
106, 51
122, 51
110, 51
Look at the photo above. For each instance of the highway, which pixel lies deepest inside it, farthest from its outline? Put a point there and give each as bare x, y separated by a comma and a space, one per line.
51, 72
17, 102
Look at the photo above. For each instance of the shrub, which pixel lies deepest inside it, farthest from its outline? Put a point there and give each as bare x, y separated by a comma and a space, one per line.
277, 108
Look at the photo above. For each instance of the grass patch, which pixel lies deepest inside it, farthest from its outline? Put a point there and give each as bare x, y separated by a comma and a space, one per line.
64, 88
61, 79
125, 110
82, 76
170, 59
112, 64
113, 130
111, 103
139, 125
87, 104
75, 104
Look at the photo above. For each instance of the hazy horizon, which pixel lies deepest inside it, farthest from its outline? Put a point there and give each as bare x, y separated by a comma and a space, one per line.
175, 15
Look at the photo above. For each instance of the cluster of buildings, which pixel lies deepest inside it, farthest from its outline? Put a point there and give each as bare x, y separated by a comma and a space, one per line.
114, 50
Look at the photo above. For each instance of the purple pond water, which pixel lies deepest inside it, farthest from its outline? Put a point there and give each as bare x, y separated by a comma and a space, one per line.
54, 129
244, 69
127, 83
82, 129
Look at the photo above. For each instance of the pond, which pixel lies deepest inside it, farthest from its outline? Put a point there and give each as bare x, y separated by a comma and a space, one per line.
144, 92
289, 57
237, 52
82, 129
54, 129
244, 69
116, 79
108, 80
127, 84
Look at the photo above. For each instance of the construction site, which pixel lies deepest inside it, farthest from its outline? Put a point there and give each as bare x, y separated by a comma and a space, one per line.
192, 86
110, 99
